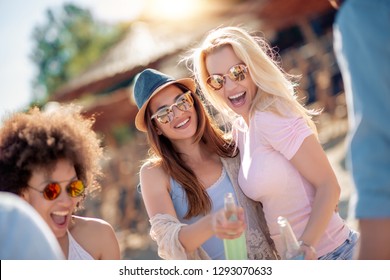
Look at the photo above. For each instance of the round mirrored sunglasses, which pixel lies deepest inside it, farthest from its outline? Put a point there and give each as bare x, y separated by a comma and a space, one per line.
165, 115
53, 190
236, 73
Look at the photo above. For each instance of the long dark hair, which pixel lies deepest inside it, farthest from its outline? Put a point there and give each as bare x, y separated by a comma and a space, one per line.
163, 153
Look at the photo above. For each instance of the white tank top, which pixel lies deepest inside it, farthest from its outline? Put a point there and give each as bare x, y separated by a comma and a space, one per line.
76, 252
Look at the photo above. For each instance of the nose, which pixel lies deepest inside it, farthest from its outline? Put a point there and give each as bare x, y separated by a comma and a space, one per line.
64, 197
229, 83
175, 110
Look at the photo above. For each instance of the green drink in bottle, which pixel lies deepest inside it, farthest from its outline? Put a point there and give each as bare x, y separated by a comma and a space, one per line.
235, 249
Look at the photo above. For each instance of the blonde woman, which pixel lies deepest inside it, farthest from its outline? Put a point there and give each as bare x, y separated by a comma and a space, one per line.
282, 163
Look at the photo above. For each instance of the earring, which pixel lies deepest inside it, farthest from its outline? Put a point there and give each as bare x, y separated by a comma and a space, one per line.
78, 204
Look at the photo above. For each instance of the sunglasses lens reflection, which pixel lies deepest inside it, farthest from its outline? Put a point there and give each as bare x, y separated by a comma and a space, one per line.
235, 73
184, 103
163, 116
76, 188
52, 191
216, 81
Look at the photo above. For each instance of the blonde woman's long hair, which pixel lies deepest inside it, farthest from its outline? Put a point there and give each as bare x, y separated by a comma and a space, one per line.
273, 83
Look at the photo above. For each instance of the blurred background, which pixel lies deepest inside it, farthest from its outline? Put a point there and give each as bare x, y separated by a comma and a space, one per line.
88, 52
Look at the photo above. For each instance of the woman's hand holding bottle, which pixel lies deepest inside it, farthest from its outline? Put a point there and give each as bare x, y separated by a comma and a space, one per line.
226, 228
308, 250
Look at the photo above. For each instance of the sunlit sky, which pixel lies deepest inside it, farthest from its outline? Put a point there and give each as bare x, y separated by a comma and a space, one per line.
17, 20
19, 17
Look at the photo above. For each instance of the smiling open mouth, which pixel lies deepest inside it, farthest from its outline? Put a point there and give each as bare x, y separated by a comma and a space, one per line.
183, 123
59, 217
238, 99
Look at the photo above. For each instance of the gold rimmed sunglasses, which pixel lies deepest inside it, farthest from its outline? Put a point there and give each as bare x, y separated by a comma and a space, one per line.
52, 190
165, 115
236, 73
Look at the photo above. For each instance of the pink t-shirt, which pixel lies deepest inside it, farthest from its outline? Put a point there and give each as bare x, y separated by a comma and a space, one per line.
266, 175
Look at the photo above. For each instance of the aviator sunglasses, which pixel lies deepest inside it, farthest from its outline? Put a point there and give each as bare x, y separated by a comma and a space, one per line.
236, 73
53, 189
184, 103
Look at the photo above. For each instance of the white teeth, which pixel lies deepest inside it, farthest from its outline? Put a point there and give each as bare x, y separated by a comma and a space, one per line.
237, 95
182, 123
60, 213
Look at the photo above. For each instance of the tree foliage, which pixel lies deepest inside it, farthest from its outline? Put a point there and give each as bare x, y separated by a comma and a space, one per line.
67, 43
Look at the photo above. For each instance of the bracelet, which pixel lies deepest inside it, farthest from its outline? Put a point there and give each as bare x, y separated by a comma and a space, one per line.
301, 243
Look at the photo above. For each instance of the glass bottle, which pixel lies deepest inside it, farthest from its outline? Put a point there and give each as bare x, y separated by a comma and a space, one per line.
235, 249
293, 249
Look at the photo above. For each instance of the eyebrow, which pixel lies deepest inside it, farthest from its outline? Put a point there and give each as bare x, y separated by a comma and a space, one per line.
53, 181
222, 74
174, 101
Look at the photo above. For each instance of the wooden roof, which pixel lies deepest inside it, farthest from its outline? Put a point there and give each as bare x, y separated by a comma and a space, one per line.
112, 109
141, 46
279, 14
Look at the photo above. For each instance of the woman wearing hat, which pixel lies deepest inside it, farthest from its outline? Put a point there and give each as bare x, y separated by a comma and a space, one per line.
190, 168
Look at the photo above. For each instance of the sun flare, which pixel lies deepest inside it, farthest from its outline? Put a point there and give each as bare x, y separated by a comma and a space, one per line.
172, 9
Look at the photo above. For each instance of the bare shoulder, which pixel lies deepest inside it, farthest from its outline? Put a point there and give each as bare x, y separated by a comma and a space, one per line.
91, 224
155, 190
150, 169
150, 174
96, 236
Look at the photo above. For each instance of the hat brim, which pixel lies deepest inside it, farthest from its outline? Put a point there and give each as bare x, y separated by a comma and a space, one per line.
140, 117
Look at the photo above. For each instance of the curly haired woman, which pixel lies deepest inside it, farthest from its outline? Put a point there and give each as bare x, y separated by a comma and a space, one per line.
52, 160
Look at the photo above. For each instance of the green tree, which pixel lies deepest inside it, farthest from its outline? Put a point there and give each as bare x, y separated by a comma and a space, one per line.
66, 44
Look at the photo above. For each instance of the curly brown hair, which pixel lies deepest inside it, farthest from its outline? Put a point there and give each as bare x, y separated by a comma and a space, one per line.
38, 139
